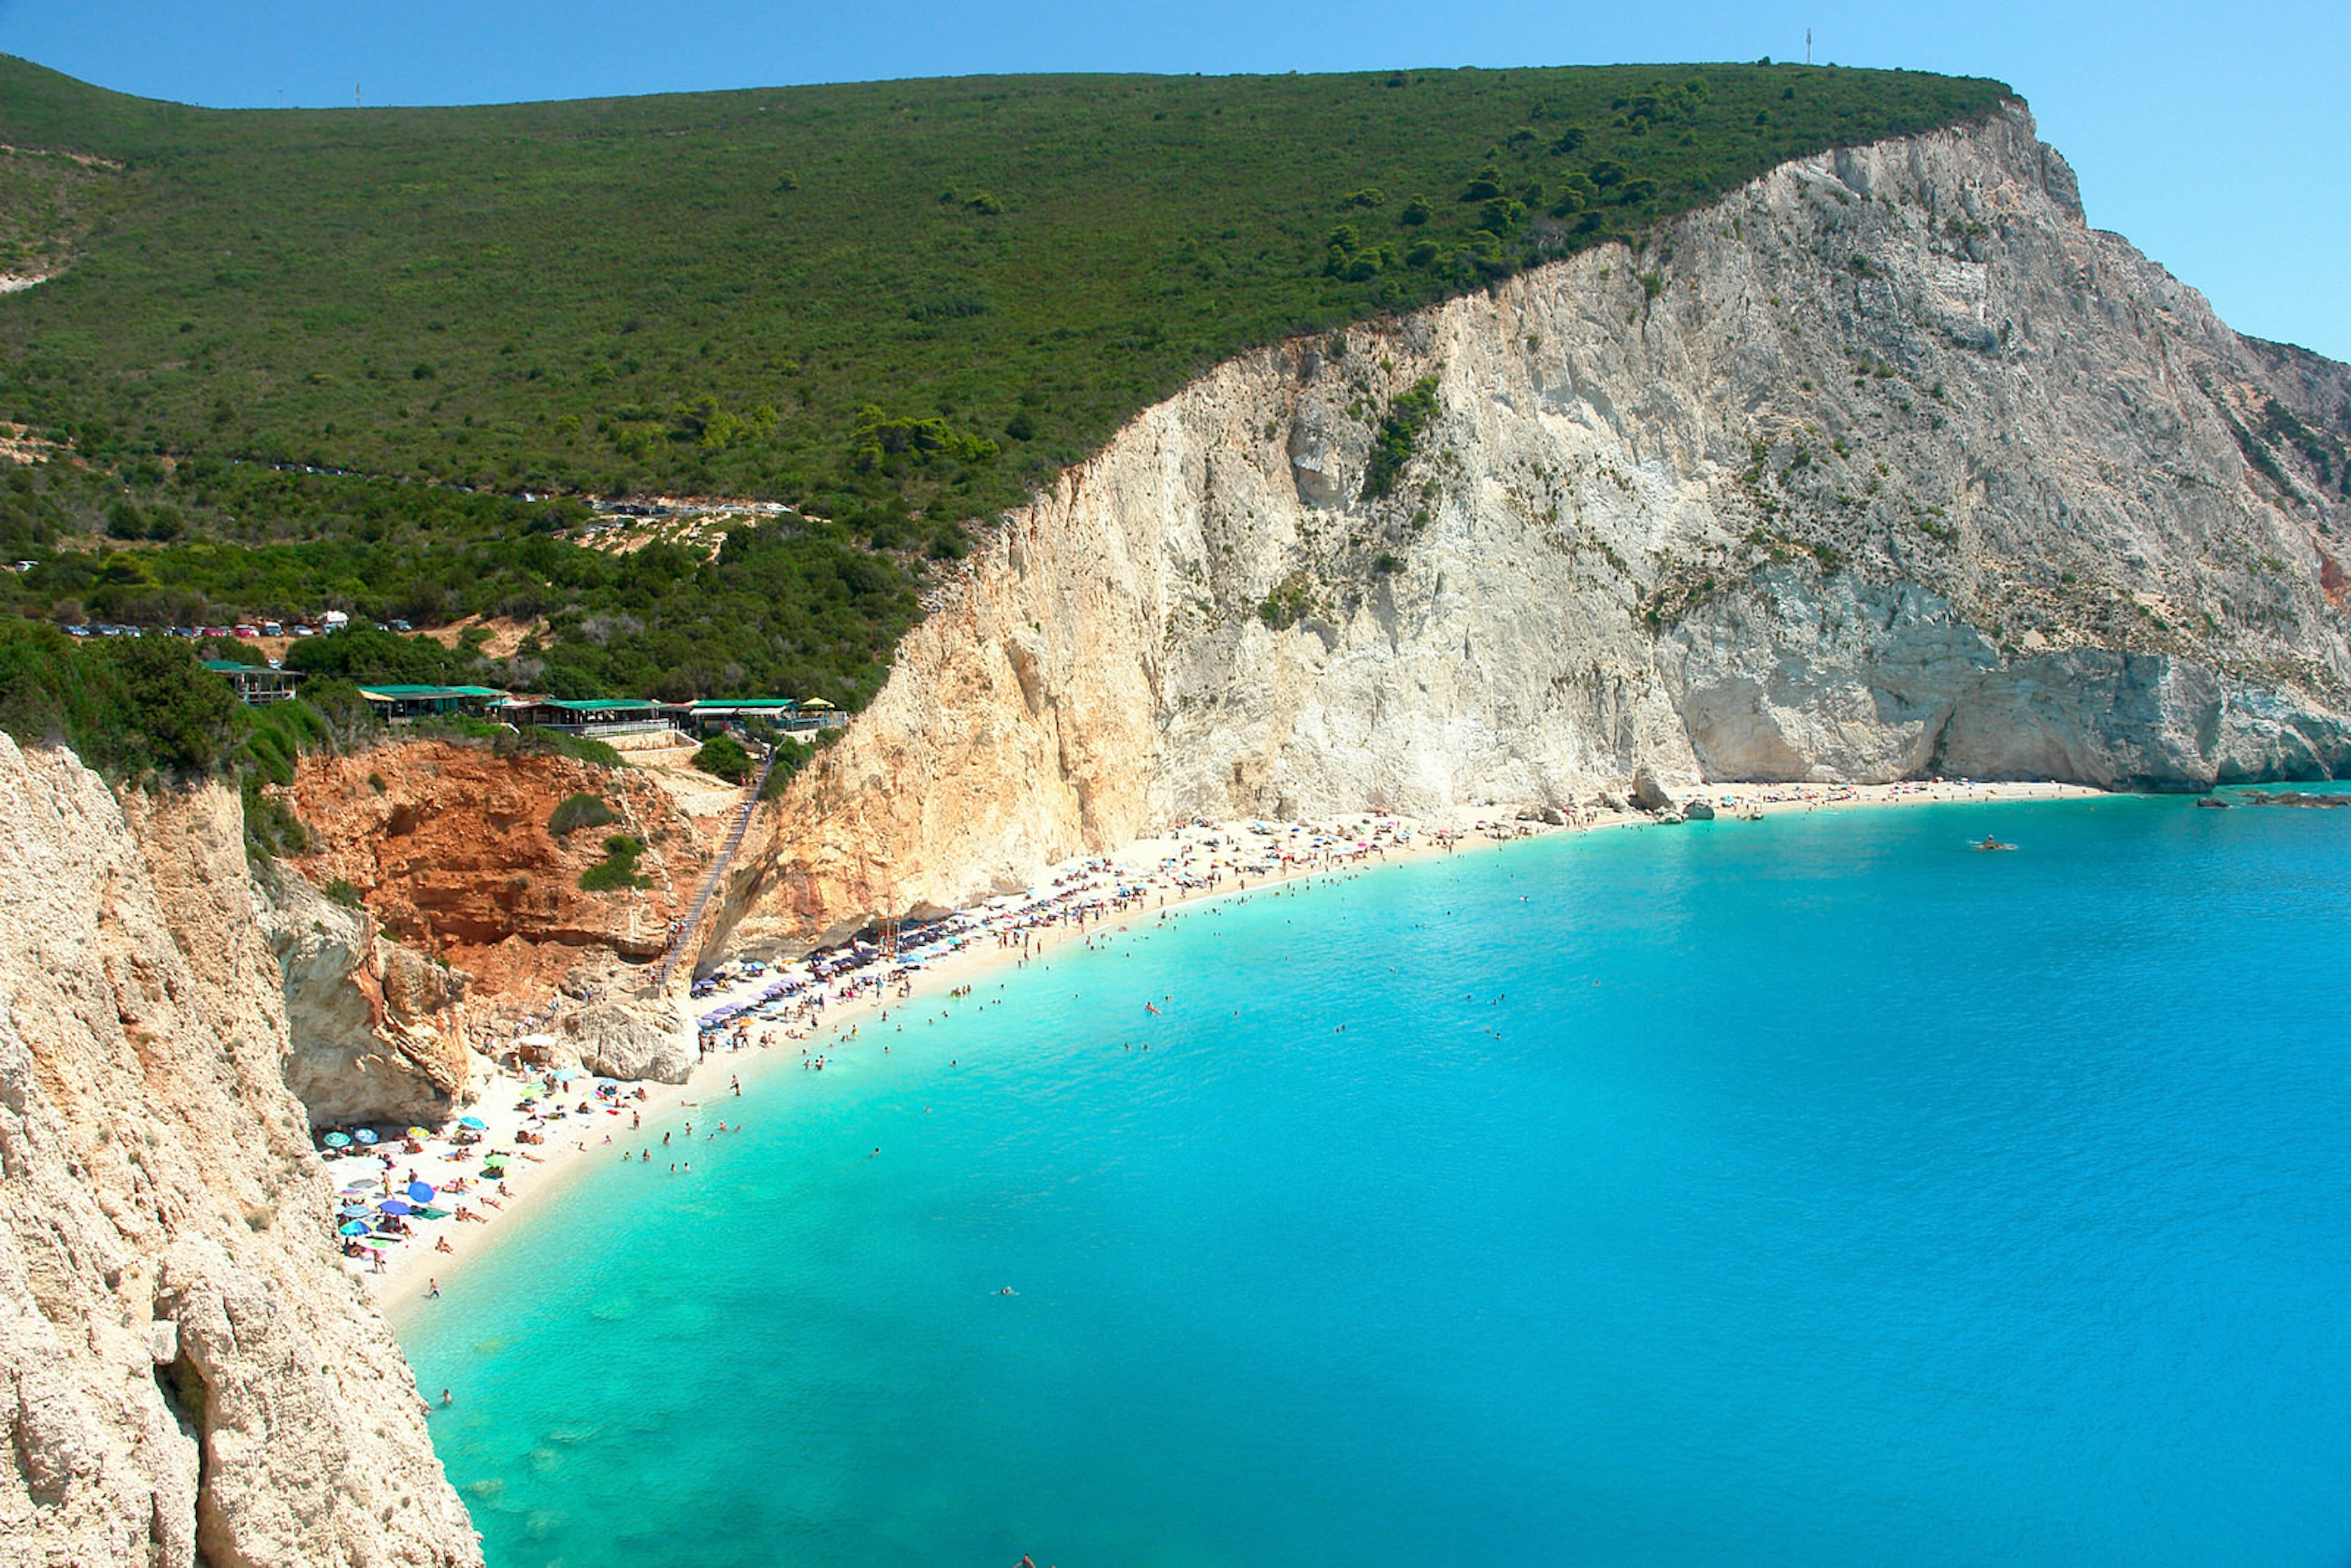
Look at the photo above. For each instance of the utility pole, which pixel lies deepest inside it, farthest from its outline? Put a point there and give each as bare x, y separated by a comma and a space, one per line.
1808, 46
355, 97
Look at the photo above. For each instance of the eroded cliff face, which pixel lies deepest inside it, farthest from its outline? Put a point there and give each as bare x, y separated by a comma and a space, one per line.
1885, 465
449, 847
189, 1376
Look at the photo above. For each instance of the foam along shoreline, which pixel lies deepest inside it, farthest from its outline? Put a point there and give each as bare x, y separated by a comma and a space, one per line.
765, 1011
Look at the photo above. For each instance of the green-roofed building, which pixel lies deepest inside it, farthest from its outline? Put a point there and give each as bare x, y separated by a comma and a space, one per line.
406, 702
783, 713
257, 684
593, 715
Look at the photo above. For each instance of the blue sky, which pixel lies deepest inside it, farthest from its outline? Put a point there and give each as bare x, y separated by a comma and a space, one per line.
2218, 138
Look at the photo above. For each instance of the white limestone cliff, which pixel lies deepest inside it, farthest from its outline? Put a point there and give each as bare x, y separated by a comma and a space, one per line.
1884, 465
186, 1373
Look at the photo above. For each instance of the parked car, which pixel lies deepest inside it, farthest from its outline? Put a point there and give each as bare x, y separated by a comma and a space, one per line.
272, 629
77, 630
401, 626
248, 632
305, 631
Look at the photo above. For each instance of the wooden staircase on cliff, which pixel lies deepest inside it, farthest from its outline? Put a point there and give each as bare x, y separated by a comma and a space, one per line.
681, 941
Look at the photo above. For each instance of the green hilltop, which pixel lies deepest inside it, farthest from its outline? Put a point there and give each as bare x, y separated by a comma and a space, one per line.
899, 307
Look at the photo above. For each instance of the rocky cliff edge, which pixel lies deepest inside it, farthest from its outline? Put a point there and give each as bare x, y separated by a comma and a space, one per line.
187, 1375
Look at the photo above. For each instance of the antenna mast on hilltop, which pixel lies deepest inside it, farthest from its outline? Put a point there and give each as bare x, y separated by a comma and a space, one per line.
1808, 46
355, 97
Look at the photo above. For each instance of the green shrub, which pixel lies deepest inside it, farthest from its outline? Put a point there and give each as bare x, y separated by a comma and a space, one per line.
791, 758
723, 757
617, 872
578, 811
1391, 448
127, 707
271, 828
341, 891
579, 747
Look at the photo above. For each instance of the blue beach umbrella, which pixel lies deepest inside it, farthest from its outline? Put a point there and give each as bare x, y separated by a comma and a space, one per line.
351, 1228
421, 1191
474, 1122
395, 1206
336, 1140
364, 1136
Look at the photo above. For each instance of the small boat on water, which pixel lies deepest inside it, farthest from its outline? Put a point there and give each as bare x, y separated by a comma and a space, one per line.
1989, 843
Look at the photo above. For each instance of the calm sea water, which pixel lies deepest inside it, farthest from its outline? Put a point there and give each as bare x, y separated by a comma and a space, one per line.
1813, 1191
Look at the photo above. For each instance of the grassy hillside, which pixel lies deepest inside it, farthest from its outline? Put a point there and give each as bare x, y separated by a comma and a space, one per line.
899, 306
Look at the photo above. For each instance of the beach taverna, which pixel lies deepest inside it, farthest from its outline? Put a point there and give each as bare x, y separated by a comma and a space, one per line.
257, 684
784, 713
402, 702
592, 715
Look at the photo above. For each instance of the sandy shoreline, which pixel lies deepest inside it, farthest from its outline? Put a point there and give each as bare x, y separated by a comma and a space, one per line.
1191, 867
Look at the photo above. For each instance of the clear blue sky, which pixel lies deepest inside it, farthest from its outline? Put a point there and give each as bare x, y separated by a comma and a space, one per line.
2218, 138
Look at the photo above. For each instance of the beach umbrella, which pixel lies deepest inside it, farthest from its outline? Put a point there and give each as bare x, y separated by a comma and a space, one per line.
393, 1206
364, 1136
474, 1122
420, 1191
418, 1133
336, 1140
351, 1228
353, 1211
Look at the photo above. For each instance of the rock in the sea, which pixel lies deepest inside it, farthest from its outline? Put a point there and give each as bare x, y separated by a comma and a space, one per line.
1698, 810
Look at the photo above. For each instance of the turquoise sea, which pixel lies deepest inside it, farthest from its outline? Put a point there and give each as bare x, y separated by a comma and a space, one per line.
1813, 1191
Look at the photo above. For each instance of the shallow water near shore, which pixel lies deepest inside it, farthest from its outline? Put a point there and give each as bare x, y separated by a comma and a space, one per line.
1811, 1190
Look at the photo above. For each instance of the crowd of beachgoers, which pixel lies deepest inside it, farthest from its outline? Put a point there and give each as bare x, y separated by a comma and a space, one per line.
395, 1187
420, 1200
